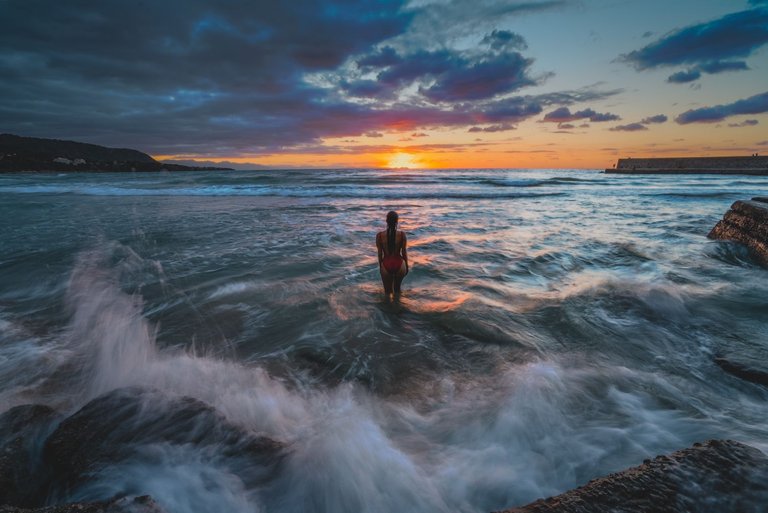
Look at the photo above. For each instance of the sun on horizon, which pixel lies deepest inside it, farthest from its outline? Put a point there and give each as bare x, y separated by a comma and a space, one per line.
402, 160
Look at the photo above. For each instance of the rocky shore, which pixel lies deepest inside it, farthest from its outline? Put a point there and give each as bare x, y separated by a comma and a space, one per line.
45, 457
746, 222
718, 475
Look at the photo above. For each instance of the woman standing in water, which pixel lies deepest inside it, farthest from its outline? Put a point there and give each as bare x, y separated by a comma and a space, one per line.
393, 257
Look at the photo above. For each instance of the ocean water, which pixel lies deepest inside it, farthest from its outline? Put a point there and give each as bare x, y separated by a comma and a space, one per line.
556, 326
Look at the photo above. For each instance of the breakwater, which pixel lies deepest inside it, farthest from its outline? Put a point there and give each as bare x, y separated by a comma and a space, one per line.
751, 165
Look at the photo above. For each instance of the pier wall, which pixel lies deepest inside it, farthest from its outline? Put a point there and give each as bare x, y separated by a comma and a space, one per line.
750, 165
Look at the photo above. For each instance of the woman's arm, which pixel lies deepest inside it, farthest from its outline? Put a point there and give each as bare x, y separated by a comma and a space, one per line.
379, 249
405, 252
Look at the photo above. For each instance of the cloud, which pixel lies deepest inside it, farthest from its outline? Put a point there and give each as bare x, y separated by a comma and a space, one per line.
373, 134
504, 127
419, 134
564, 115
216, 79
756, 104
683, 77
734, 35
690, 75
502, 39
723, 66
447, 75
659, 118
632, 127
746, 122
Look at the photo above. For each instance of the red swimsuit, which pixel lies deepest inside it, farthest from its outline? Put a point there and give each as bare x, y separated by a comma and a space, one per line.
392, 263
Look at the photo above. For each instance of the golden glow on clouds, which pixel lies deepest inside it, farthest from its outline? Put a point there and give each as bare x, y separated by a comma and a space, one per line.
532, 145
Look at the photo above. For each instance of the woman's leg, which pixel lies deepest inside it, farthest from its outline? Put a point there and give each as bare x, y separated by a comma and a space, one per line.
386, 280
399, 279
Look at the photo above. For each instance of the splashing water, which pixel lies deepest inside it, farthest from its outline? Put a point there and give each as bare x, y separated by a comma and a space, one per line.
545, 338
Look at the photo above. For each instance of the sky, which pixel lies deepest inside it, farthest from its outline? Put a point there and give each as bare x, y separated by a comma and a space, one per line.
390, 83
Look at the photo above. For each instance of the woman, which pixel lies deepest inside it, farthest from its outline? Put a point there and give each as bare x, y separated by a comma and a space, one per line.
393, 257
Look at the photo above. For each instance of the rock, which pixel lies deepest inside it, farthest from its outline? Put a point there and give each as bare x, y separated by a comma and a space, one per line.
743, 369
22, 431
719, 475
143, 504
746, 222
115, 426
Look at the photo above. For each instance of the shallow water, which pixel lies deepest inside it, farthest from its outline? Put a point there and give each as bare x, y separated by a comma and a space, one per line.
556, 326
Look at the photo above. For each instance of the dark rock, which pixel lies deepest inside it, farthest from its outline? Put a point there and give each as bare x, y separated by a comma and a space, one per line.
719, 475
746, 222
143, 504
113, 427
22, 431
744, 370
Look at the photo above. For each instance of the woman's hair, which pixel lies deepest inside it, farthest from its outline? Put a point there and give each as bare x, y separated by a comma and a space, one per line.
391, 230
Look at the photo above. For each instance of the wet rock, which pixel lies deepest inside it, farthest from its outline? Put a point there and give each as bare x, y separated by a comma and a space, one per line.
745, 370
718, 475
114, 427
746, 222
22, 431
143, 504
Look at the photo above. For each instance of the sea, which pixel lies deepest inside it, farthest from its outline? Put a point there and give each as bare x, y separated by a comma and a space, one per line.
555, 326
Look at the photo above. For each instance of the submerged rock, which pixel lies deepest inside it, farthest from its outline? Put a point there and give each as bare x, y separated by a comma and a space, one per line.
745, 370
114, 428
22, 431
719, 475
746, 222
143, 504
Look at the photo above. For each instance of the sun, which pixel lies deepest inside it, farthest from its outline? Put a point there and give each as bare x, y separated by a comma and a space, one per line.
404, 161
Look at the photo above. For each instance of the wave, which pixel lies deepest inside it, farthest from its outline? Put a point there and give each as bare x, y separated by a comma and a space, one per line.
689, 195
292, 192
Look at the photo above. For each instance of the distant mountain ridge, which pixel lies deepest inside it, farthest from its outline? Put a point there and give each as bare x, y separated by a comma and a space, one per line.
19, 153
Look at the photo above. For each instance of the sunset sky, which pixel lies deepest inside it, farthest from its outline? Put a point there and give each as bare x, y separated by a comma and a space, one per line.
378, 83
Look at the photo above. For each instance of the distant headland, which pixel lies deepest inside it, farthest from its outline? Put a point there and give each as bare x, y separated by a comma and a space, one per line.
752, 165
34, 154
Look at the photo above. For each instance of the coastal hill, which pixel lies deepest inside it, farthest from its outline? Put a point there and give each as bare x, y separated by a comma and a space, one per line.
34, 154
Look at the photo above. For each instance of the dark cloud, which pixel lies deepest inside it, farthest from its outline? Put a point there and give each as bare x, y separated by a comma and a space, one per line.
714, 67
196, 78
419, 134
659, 118
683, 77
501, 39
632, 127
723, 66
564, 115
746, 122
504, 127
566, 126
734, 35
487, 78
756, 104
510, 110
448, 75
373, 134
